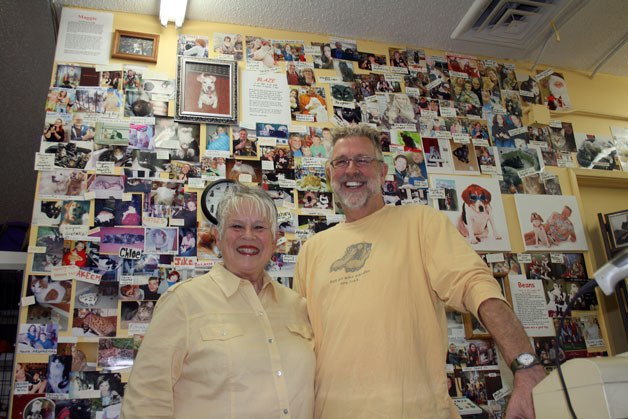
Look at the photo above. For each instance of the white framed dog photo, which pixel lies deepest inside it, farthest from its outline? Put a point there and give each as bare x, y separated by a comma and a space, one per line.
550, 223
474, 205
206, 91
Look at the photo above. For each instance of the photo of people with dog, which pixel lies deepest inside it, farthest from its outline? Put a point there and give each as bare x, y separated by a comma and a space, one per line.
56, 127
550, 223
245, 145
229, 44
193, 46
480, 217
260, 52
60, 100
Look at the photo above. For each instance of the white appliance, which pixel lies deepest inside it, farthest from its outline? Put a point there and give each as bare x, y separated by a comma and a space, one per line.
598, 388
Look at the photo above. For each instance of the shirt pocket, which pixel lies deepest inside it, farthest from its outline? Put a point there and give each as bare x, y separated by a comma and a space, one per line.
301, 329
221, 332
211, 358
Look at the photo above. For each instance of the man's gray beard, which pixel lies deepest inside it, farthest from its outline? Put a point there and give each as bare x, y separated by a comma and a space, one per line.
355, 200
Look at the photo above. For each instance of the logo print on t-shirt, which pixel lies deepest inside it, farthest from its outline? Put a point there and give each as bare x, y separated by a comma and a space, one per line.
354, 258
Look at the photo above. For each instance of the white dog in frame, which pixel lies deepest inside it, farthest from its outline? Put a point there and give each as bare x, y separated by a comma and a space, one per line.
208, 94
540, 235
477, 215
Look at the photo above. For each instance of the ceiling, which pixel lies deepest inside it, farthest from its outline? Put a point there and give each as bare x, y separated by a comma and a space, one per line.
585, 39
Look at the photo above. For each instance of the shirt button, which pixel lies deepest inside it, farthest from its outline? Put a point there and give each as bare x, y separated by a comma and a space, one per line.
270, 340
285, 411
279, 373
260, 313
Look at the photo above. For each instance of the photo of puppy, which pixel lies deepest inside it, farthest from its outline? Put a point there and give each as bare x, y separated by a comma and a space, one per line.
57, 183
75, 213
540, 235
62, 183
476, 215
207, 95
475, 209
77, 183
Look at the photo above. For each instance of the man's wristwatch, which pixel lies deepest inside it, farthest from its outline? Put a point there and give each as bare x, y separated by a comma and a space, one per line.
524, 360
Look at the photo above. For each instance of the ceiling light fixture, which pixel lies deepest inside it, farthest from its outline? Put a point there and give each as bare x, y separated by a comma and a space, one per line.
172, 11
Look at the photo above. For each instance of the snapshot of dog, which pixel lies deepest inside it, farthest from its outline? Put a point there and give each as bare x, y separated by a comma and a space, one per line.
207, 91
75, 212
62, 183
464, 158
557, 216
207, 95
476, 210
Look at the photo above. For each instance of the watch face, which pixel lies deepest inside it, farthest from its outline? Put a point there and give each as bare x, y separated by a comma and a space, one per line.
212, 195
526, 359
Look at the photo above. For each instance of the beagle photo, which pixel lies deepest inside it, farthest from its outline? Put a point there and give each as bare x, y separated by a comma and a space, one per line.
477, 210
477, 215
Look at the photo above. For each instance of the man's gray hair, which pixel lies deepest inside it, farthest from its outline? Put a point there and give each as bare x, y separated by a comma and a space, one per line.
239, 194
359, 131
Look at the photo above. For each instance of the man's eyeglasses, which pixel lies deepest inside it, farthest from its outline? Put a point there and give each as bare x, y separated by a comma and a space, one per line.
359, 161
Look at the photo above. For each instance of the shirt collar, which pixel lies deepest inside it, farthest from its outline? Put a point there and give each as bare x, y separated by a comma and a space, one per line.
229, 282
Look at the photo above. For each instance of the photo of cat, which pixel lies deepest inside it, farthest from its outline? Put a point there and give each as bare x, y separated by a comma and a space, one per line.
48, 291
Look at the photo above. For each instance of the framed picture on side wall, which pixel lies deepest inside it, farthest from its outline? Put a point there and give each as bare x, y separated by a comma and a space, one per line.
618, 227
206, 91
135, 46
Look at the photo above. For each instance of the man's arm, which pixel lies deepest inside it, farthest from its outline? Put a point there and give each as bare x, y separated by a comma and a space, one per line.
512, 340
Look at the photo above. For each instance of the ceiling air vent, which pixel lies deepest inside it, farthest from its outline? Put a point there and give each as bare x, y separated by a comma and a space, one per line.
520, 24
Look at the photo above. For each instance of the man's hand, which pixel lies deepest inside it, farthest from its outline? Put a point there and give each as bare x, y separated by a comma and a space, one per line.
521, 405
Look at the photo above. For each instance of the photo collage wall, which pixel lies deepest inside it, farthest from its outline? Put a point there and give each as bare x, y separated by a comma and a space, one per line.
117, 222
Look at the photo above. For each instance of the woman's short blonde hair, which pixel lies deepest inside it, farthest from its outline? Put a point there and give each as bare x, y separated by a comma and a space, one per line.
240, 194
